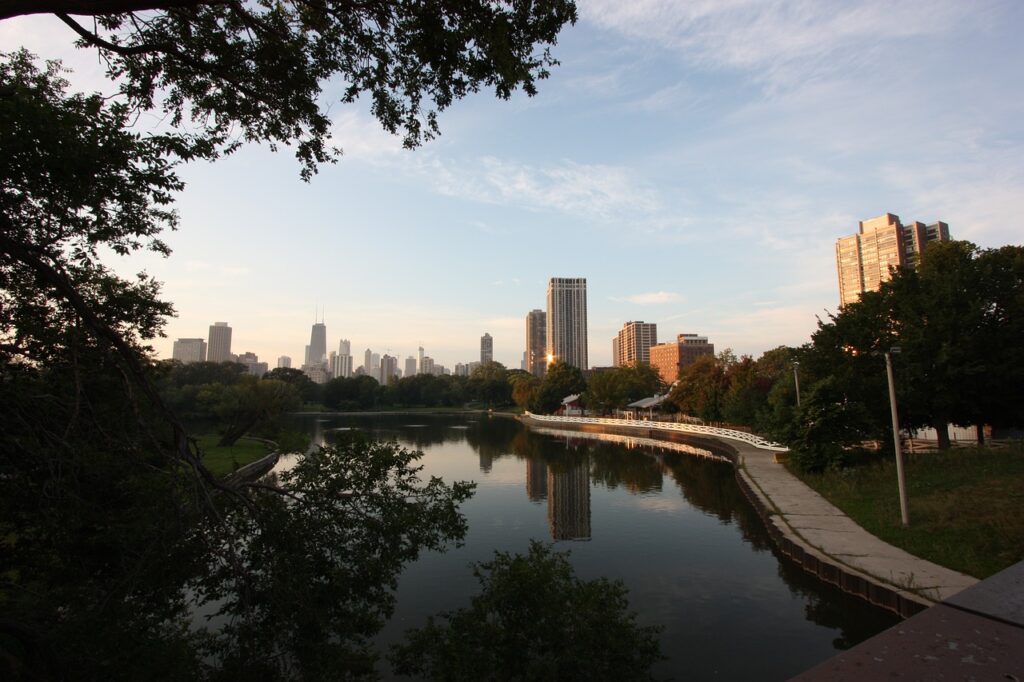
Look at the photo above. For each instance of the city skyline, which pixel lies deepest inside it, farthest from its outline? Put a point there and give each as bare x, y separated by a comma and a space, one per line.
696, 163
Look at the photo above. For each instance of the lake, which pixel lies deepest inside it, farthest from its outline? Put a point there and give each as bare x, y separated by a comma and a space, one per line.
668, 520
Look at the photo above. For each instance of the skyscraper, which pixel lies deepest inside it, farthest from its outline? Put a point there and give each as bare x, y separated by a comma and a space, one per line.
863, 260
344, 347
317, 344
567, 320
486, 348
284, 361
219, 345
189, 350
388, 368
368, 363
634, 342
536, 342
419, 367
410, 366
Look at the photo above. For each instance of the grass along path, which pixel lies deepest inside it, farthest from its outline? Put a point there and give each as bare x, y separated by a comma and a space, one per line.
965, 505
224, 460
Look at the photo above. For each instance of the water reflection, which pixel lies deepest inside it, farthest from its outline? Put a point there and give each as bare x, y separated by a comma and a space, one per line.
710, 573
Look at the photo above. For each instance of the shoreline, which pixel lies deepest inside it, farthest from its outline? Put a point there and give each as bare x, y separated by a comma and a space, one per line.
810, 531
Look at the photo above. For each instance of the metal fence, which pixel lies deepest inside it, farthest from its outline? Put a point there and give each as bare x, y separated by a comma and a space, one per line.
699, 429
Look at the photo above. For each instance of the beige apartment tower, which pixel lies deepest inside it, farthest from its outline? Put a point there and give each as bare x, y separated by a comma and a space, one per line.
218, 348
633, 343
864, 260
567, 320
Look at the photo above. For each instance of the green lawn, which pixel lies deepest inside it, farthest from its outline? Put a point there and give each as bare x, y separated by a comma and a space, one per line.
966, 505
223, 461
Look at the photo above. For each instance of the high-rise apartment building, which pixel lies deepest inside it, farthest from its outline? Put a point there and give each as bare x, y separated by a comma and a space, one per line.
284, 361
486, 348
864, 260
368, 362
670, 358
410, 366
388, 369
189, 350
536, 342
419, 366
218, 347
567, 320
633, 343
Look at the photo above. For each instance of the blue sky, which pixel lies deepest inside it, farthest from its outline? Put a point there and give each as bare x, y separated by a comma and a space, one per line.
695, 161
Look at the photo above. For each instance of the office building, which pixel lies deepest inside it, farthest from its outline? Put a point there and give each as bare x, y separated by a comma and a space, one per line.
633, 343
864, 260
284, 361
670, 358
486, 348
218, 346
368, 362
536, 342
317, 349
252, 364
567, 320
388, 369
410, 366
189, 350
419, 366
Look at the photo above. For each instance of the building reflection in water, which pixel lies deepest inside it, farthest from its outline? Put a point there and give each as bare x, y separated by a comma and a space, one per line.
569, 501
536, 479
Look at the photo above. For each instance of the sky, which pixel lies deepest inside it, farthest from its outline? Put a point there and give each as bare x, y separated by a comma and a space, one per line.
695, 161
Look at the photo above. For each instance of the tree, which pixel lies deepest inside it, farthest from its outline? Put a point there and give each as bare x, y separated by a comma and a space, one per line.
534, 620
308, 390
258, 71
561, 380
251, 402
701, 388
524, 389
489, 384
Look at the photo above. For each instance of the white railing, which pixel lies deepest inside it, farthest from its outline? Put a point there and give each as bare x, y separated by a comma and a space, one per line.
748, 438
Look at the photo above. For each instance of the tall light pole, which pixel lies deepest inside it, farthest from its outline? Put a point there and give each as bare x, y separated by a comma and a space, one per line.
900, 478
796, 380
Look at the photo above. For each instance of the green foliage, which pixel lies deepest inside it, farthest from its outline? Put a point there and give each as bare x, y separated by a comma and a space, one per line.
534, 620
827, 427
560, 380
524, 389
617, 387
309, 391
964, 505
257, 71
489, 384
701, 388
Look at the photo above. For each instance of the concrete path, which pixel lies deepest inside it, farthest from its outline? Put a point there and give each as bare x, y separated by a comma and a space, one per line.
805, 518
976, 635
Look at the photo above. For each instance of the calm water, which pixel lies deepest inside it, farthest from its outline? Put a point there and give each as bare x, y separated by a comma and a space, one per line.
673, 525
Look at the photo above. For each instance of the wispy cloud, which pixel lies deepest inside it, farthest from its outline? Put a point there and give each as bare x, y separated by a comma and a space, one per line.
650, 298
595, 191
780, 41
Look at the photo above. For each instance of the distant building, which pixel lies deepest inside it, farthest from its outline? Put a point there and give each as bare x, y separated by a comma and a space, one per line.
410, 366
284, 361
344, 366
419, 367
486, 348
388, 369
252, 364
461, 370
567, 320
670, 358
633, 343
368, 362
189, 350
344, 347
426, 365
218, 348
317, 353
864, 260
536, 342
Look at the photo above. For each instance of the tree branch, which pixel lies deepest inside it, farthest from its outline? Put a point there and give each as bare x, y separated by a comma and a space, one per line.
16, 8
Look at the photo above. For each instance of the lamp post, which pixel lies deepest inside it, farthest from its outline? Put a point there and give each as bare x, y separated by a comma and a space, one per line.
900, 478
796, 380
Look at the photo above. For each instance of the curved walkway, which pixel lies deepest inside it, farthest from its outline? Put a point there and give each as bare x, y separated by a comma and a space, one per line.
812, 531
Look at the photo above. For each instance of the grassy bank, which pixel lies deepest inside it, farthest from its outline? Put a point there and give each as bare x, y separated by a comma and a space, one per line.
224, 460
965, 505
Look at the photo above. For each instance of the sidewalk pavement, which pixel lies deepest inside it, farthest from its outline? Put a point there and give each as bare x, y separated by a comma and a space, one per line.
808, 520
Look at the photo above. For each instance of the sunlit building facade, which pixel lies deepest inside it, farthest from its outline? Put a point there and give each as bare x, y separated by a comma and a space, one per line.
567, 321
670, 358
633, 343
866, 259
536, 342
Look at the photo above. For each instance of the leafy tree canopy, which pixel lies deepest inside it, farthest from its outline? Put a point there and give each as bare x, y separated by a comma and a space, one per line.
265, 70
534, 620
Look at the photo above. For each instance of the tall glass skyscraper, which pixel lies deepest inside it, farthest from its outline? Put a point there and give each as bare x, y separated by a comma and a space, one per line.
567, 320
